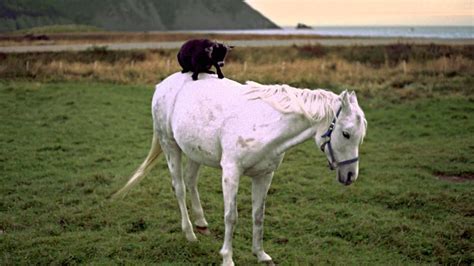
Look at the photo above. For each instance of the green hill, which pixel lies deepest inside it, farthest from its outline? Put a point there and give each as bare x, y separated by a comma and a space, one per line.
132, 15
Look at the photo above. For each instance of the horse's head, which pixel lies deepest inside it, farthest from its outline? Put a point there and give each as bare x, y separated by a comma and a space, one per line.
340, 142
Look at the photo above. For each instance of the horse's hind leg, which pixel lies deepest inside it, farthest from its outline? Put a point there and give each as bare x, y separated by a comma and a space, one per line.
230, 185
191, 178
260, 186
173, 157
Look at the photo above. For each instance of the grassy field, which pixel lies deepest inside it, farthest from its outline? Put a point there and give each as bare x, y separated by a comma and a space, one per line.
68, 141
76, 34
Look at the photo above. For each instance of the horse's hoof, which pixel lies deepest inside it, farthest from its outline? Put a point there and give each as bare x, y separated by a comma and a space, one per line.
203, 230
263, 257
191, 237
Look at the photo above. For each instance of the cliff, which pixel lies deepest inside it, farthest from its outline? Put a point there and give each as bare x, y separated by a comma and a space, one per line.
133, 15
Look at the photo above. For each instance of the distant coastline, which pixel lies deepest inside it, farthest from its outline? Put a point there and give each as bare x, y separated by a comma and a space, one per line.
439, 32
349, 41
326, 36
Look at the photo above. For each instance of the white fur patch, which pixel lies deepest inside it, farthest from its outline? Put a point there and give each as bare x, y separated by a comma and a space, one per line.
209, 51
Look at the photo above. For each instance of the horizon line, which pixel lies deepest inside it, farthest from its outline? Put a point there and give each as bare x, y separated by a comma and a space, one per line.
377, 25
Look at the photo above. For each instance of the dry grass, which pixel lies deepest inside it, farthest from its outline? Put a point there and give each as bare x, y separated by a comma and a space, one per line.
126, 37
404, 76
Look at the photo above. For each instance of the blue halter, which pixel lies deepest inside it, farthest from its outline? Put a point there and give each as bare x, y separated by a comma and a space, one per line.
333, 164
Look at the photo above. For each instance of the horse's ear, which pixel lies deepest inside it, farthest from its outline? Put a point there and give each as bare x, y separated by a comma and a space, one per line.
353, 98
344, 96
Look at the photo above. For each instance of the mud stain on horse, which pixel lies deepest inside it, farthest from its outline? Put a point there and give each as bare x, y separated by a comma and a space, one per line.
211, 117
244, 143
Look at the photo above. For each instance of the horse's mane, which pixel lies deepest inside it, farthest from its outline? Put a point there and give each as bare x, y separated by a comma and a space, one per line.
315, 105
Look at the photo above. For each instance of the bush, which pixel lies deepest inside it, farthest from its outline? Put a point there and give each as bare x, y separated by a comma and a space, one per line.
317, 51
370, 55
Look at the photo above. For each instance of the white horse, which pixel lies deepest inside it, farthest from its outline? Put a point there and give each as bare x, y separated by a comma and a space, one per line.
245, 130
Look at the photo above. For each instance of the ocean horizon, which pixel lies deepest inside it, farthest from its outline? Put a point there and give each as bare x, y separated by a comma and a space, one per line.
441, 32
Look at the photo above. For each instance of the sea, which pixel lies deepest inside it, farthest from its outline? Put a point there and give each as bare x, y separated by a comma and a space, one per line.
441, 32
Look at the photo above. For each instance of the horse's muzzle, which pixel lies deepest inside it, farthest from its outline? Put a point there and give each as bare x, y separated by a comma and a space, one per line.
346, 180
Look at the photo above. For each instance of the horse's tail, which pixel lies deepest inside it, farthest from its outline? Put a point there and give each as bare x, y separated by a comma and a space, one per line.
144, 168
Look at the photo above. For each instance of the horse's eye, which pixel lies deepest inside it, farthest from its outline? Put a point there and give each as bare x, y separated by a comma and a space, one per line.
346, 135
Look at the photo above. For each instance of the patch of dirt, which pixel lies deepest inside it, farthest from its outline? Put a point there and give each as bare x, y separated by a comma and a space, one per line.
455, 178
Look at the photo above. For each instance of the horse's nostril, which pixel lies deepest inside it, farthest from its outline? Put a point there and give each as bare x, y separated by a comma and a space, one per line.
349, 175
348, 180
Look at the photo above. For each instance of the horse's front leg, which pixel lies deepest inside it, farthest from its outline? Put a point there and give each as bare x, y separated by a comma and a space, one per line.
230, 185
191, 178
260, 186
173, 158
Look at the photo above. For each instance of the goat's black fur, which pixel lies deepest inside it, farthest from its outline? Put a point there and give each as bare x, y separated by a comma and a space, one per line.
200, 55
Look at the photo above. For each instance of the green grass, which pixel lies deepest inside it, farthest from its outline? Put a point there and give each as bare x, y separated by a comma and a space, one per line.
65, 147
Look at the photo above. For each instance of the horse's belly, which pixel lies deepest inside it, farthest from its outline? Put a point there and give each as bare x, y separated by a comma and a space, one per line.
200, 145
202, 155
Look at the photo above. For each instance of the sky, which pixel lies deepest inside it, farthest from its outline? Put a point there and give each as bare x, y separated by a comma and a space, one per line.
367, 12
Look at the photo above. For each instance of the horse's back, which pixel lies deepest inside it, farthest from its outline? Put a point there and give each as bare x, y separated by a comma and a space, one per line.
203, 116
178, 82
191, 113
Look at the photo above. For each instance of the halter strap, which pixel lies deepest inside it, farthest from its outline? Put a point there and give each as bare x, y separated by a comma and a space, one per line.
333, 164
331, 126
